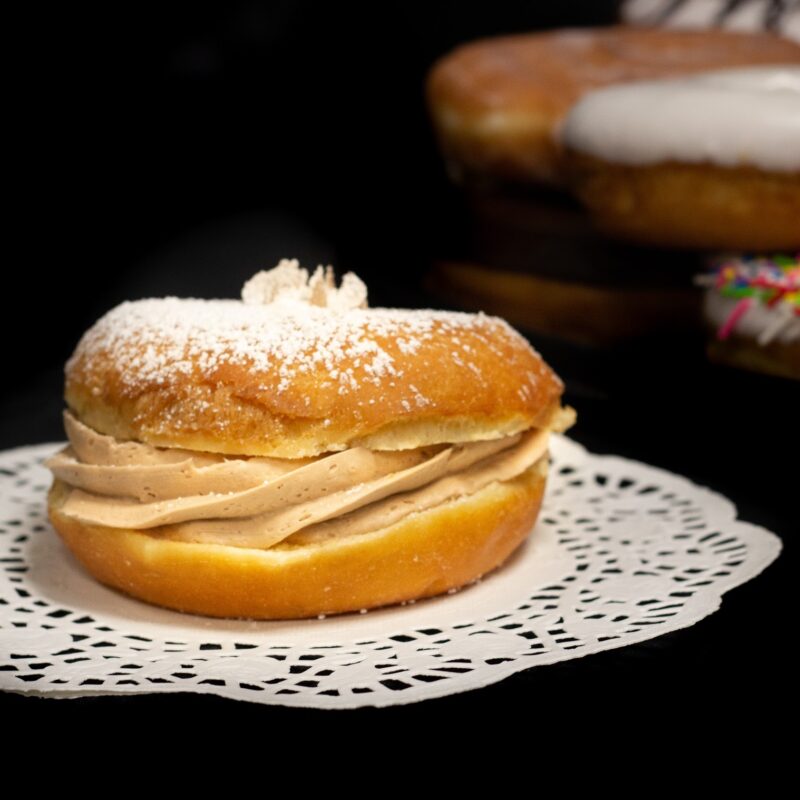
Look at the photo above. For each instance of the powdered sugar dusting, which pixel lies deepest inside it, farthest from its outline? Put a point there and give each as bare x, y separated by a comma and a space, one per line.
160, 340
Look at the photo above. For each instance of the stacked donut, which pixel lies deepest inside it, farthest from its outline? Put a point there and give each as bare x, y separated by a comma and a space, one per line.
678, 143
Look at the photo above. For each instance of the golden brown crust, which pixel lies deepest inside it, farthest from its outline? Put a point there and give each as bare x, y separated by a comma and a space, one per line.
423, 555
496, 103
691, 205
475, 381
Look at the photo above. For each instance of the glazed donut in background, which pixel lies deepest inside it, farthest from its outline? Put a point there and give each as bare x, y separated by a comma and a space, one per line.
779, 16
752, 310
530, 252
496, 103
297, 453
710, 161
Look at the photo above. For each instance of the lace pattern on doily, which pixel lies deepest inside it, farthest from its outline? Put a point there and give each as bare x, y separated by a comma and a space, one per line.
622, 552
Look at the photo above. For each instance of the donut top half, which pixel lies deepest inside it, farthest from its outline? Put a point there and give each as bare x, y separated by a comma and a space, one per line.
299, 368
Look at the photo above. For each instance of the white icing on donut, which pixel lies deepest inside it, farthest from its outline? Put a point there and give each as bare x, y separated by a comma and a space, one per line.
694, 15
739, 117
791, 26
755, 322
746, 17
751, 15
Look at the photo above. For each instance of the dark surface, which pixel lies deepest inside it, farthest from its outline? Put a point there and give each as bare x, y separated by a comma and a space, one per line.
194, 149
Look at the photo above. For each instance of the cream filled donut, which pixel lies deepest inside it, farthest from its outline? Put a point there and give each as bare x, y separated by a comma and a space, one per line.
752, 310
297, 453
711, 160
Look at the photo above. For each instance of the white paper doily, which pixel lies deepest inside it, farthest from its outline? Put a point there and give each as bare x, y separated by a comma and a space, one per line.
622, 552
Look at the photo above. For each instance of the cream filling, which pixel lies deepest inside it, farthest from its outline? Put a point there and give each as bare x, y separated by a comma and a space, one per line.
259, 502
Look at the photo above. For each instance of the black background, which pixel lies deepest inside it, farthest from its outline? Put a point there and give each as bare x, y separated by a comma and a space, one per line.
166, 149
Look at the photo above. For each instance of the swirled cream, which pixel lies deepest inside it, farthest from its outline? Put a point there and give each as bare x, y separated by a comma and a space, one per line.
731, 118
259, 502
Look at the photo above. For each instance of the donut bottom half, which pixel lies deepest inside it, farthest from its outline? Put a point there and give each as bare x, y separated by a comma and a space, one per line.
422, 555
691, 205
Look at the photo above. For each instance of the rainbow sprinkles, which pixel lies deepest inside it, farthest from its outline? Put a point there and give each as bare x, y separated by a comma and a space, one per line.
753, 286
